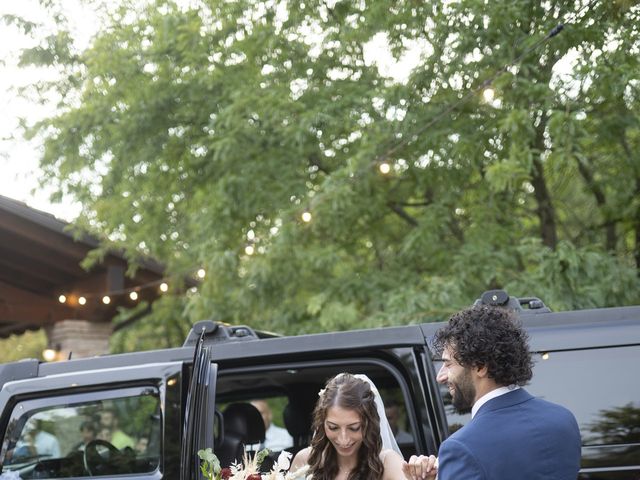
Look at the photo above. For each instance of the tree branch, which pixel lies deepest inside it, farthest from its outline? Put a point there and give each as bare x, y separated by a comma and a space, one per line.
398, 210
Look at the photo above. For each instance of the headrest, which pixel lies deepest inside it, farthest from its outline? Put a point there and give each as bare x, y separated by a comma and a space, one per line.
297, 419
244, 420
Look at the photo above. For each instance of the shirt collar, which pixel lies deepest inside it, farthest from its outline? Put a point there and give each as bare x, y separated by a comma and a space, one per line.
490, 395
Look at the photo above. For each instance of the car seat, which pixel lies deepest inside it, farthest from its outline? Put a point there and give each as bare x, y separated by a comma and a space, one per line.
243, 425
297, 419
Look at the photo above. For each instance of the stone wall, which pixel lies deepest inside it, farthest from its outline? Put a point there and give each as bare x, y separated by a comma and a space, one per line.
81, 338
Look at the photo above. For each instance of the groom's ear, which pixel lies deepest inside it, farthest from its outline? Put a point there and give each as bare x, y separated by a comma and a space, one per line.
482, 371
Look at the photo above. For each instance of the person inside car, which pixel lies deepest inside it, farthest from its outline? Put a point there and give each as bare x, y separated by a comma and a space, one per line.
109, 421
276, 438
36, 442
88, 433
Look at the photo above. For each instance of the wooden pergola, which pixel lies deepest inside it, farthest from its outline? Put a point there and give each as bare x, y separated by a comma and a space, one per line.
40, 260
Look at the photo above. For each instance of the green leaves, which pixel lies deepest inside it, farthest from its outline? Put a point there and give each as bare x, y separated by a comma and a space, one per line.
201, 134
210, 465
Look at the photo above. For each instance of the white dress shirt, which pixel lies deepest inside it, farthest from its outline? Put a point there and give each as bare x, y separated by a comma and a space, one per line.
492, 394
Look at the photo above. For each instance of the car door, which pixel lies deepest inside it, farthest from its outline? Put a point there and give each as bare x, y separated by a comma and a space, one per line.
198, 429
125, 420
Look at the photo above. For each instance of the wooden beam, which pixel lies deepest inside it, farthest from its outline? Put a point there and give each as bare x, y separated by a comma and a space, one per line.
23, 281
33, 269
26, 308
59, 242
14, 246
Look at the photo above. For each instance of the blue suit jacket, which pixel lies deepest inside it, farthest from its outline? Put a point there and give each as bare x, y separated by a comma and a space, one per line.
514, 437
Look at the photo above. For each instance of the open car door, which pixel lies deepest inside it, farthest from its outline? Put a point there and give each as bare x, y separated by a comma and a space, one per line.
198, 429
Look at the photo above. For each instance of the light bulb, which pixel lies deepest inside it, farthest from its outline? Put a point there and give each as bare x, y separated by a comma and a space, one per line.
106, 300
133, 295
82, 300
164, 287
384, 168
62, 299
49, 354
306, 217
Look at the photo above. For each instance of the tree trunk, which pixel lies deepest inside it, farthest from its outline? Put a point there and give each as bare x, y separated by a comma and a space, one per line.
545, 211
636, 250
609, 224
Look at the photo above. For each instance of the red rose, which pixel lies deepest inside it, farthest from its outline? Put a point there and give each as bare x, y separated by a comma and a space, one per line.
254, 476
225, 473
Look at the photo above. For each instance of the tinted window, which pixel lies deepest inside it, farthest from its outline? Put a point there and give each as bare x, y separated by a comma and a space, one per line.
74, 436
600, 388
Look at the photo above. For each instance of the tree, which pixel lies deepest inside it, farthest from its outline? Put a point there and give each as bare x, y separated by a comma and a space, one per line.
200, 134
26, 345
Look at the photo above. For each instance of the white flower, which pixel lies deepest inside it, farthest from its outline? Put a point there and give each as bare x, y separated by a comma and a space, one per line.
299, 474
283, 462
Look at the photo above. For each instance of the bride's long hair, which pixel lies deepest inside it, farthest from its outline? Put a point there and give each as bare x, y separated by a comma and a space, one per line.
346, 391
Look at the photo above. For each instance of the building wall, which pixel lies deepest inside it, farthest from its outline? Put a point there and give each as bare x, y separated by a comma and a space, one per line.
81, 338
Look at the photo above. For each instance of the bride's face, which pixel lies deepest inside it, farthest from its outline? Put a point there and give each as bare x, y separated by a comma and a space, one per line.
343, 428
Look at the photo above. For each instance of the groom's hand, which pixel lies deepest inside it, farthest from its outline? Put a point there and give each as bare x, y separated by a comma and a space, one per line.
420, 467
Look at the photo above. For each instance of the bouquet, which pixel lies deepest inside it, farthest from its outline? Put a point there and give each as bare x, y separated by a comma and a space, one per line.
249, 469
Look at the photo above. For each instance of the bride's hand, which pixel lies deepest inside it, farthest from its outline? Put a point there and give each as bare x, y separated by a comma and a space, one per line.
420, 467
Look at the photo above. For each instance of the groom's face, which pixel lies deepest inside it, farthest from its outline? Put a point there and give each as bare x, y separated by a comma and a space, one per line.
459, 381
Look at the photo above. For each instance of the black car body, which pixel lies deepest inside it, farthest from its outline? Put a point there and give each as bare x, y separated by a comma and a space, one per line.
171, 403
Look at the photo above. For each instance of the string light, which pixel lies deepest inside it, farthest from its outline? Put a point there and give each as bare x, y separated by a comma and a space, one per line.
49, 354
306, 216
249, 250
134, 292
384, 168
488, 94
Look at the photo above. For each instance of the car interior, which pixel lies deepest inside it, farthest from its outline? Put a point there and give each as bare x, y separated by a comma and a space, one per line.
292, 394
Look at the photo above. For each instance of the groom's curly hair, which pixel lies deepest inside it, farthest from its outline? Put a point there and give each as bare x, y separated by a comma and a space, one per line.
348, 392
488, 336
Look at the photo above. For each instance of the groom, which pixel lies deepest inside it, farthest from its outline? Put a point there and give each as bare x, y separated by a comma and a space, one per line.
511, 435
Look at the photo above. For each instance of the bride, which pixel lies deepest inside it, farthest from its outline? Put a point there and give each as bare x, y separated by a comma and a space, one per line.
352, 438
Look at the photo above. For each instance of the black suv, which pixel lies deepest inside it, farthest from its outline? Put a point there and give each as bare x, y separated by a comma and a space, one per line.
147, 414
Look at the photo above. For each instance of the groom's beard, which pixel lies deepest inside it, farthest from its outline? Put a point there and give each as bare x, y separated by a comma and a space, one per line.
464, 393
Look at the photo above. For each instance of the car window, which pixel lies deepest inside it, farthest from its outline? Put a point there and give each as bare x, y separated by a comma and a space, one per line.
587, 382
605, 402
102, 433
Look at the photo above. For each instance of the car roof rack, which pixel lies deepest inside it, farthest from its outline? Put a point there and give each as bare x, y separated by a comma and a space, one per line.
521, 305
218, 332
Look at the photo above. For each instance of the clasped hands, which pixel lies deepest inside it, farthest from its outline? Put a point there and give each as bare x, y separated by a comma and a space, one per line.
421, 467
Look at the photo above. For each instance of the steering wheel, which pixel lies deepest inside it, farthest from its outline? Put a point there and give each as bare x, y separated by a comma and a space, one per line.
100, 457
